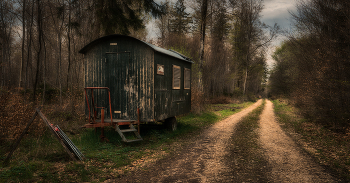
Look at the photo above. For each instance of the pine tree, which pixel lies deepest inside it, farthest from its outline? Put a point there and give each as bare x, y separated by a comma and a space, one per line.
120, 16
179, 24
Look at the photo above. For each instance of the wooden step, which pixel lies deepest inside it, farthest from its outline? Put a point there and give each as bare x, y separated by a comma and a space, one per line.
134, 140
128, 130
132, 129
107, 120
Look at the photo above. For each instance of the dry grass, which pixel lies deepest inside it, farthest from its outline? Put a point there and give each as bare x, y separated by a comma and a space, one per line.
329, 148
197, 100
16, 110
15, 113
222, 100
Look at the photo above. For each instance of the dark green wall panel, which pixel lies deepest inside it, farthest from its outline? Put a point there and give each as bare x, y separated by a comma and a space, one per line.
128, 67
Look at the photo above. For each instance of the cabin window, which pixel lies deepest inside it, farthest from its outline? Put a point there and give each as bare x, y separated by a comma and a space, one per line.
160, 69
176, 77
187, 76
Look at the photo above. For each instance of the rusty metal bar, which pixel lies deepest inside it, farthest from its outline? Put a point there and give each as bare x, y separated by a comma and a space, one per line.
93, 105
87, 102
97, 125
110, 104
93, 101
138, 120
102, 123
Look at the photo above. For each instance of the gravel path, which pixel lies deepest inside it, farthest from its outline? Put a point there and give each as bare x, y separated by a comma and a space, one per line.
201, 161
213, 157
289, 163
204, 160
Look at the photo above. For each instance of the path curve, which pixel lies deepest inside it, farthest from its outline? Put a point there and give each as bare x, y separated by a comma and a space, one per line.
288, 162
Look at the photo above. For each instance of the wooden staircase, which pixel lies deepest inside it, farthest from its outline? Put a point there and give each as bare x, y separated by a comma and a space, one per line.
129, 130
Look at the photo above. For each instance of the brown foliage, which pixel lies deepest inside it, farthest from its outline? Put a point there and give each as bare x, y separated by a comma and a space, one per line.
197, 100
221, 100
16, 111
15, 114
313, 66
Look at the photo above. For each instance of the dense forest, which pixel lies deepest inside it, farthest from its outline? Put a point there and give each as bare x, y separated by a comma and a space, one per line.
40, 40
312, 65
230, 135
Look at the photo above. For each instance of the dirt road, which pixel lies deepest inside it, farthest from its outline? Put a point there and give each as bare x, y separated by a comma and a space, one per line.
207, 158
201, 161
288, 162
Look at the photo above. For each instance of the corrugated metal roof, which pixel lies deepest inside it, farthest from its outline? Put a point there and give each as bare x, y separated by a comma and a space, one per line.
154, 47
169, 52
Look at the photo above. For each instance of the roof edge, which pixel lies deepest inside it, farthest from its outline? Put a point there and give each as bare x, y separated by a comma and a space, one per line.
155, 48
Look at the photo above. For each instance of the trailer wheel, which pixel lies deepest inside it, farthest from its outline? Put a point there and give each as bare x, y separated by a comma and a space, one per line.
171, 124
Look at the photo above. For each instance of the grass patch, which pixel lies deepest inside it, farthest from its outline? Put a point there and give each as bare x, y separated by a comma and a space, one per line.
43, 159
246, 160
327, 147
225, 110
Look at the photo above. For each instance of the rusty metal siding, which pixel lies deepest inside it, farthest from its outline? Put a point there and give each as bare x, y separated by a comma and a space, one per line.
102, 63
129, 68
141, 86
170, 102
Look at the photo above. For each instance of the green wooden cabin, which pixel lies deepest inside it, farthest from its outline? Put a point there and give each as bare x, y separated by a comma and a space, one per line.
139, 75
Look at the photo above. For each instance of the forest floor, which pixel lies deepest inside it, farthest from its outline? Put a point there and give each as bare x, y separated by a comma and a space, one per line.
240, 148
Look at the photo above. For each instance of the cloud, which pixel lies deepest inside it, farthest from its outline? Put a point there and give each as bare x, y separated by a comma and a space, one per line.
277, 11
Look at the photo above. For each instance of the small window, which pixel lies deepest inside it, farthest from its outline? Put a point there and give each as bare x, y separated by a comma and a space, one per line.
176, 77
160, 69
187, 82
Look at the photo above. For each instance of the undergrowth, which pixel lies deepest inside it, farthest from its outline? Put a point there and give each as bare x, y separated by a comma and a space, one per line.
327, 147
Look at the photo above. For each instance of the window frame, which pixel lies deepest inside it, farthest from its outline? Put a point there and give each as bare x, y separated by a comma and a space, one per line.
160, 72
187, 81
179, 78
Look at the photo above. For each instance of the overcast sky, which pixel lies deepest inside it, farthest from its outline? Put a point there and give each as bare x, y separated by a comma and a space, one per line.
275, 11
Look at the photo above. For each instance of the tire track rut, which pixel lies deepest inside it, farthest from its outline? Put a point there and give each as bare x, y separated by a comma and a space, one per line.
288, 162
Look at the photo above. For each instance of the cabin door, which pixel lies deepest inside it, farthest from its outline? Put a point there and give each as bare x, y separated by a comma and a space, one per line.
117, 66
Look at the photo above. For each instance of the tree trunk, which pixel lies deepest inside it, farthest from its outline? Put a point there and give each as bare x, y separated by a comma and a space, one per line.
29, 48
59, 64
204, 10
68, 35
39, 50
23, 40
44, 71
245, 80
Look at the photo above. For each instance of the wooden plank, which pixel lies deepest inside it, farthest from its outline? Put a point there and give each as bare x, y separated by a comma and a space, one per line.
117, 120
128, 130
95, 125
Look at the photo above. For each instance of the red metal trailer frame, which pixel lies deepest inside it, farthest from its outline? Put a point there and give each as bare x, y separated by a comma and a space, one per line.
93, 123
